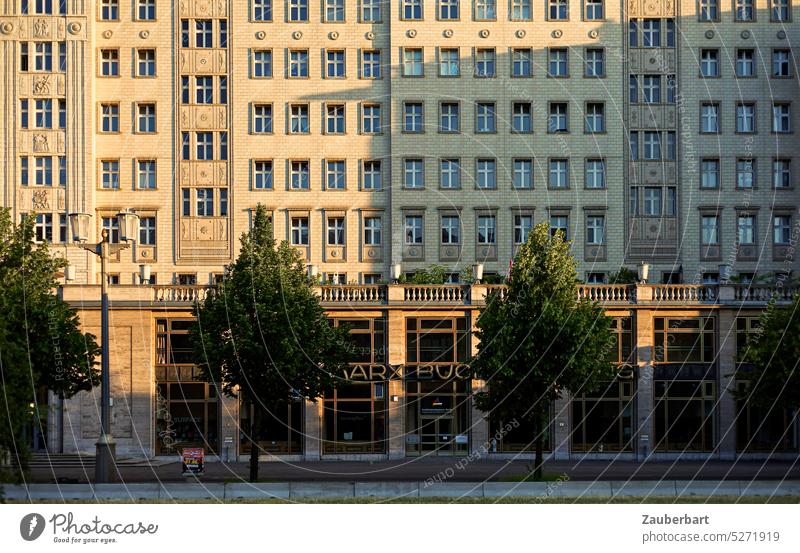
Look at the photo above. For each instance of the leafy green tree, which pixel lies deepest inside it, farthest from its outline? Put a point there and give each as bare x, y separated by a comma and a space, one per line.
773, 355
41, 344
262, 335
623, 276
538, 340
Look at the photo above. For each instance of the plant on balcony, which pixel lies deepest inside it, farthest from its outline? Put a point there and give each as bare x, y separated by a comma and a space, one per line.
540, 340
772, 359
41, 343
623, 276
263, 336
432, 274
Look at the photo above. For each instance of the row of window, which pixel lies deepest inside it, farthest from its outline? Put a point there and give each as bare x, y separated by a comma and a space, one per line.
744, 10
144, 118
43, 113
745, 173
745, 117
746, 229
38, 56
744, 64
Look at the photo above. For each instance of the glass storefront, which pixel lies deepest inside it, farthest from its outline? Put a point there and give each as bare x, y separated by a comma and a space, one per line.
519, 438
280, 432
187, 410
437, 385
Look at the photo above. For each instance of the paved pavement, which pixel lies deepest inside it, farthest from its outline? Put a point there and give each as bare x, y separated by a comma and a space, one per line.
451, 469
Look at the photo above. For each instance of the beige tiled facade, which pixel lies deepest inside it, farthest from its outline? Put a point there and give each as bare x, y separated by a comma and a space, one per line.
468, 114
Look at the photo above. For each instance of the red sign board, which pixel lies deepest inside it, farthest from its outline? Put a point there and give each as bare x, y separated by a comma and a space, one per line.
193, 459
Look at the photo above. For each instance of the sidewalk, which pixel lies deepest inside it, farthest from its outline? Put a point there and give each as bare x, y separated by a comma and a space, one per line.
454, 469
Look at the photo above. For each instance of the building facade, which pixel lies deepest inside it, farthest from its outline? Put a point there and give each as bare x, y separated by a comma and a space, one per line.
411, 133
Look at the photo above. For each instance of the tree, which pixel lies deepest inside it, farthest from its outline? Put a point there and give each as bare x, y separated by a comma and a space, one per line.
773, 355
262, 335
624, 276
41, 344
539, 340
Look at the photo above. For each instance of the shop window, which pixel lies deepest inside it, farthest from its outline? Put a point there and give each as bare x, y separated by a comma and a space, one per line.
682, 340
685, 398
603, 421
764, 429
518, 436
280, 432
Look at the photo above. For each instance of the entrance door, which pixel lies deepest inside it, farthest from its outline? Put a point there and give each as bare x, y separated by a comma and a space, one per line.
436, 434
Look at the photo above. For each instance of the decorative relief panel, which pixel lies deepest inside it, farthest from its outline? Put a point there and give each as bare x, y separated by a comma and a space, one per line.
651, 8
204, 117
203, 8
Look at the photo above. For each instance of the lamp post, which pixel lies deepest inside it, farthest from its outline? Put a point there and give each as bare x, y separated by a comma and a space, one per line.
644, 272
477, 272
128, 230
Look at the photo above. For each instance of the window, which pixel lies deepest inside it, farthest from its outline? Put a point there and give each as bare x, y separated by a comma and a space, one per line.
521, 62
709, 63
299, 231
205, 202
62, 170
451, 229
709, 173
335, 64
653, 201
44, 170
370, 11
23, 113
594, 10
559, 173
204, 90
781, 173
146, 118
412, 9
522, 228
709, 118
43, 56
414, 229
298, 10
334, 119
745, 172
262, 174
449, 119
262, 64
262, 118
595, 62
781, 229
633, 144
412, 117
336, 231
335, 175
146, 174
44, 114
413, 175
146, 63
299, 175
521, 118
109, 10
744, 10
109, 63
487, 225
557, 10
595, 173
746, 229
709, 230
595, 230
781, 118
559, 224
372, 231
557, 62
485, 117
449, 62
203, 33
147, 231
371, 64
745, 118
298, 119
371, 119
448, 9
651, 33
523, 173
672, 86
595, 118
298, 64
520, 10
450, 173
484, 62
372, 178
709, 10
780, 63
24, 176
745, 66
109, 114
43, 228
781, 10
334, 11
651, 89
486, 174
485, 10
109, 173
558, 118
412, 62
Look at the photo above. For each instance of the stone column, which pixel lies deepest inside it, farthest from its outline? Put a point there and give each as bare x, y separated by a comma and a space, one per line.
229, 428
726, 367
479, 423
396, 356
561, 428
645, 418
312, 430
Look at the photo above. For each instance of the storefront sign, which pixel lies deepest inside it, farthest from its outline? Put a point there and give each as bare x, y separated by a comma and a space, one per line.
439, 372
370, 373
193, 460
379, 373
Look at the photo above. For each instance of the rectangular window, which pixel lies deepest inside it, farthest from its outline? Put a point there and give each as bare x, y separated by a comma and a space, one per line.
298, 64
709, 173
484, 62
44, 114
300, 231
558, 10
652, 146
109, 63
205, 202
451, 229
44, 170
448, 10
485, 10
370, 11
557, 62
62, 170
558, 120
335, 65
373, 231
449, 118
109, 10
595, 121
651, 33
146, 63
109, 174
522, 228
523, 173
559, 173
781, 118
299, 175
651, 89
43, 228
486, 174
413, 173
520, 10
412, 10
521, 117
745, 173
204, 145
487, 227
485, 117
781, 64
781, 230
336, 231
745, 62
781, 10
449, 62
744, 10
262, 118
594, 10
371, 119
334, 11
450, 173
595, 230
146, 118
709, 118
298, 10
746, 229
203, 33
335, 175
708, 10
262, 174
745, 118
782, 173
709, 230
414, 229
146, 174
709, 62
595, 62
262, 64
559, 224
653, 201
412, 117
412, 62
298, 119
521, 62
372, 177
595, 173
147, 231
371, 64
146, 10
334, 119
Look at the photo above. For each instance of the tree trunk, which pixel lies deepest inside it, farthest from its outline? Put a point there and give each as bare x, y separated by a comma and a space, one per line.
255, 427
539, 460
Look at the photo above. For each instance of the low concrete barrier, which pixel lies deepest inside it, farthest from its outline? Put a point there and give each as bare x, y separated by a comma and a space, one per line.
399, 490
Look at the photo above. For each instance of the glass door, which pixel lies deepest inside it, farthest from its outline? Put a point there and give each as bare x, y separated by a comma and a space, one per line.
436, 434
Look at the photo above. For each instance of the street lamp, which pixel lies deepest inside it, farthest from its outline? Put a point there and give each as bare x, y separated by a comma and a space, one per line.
129, 229
644, 272
397, 270
477, 272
